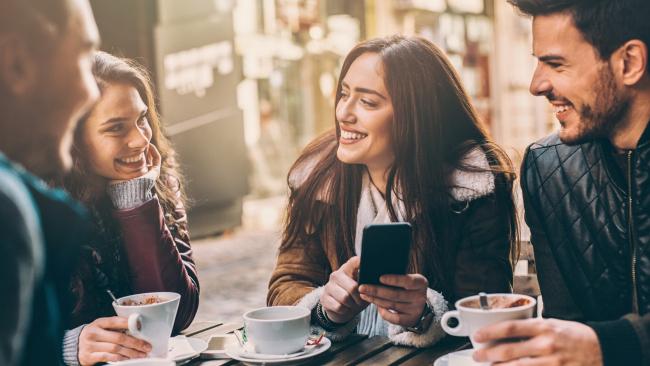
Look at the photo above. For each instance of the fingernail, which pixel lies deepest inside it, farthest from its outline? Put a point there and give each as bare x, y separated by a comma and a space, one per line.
478, 356
362, 288
147, 347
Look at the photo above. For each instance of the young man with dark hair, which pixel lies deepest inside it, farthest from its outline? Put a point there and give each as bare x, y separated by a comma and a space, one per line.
587, 189
45, 85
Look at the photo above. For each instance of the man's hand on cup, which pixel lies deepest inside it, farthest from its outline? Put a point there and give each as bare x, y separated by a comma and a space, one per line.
104, 340
340, 298
550, 342
403, 302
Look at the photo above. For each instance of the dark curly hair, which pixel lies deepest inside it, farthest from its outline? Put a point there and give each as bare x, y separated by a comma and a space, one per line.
605, 24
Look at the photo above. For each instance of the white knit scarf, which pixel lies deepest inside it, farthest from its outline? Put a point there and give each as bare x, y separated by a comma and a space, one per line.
373, 210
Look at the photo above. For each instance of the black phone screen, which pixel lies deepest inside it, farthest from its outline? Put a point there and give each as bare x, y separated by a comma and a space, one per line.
384, 250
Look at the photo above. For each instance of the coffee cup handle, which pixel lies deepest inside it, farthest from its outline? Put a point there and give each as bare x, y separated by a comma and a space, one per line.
135, 324
458, 330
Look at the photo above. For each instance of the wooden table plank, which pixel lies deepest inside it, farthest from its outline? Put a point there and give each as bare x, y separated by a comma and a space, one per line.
357, 353
427, 356
329, 355
199, 327
201, 362
350, 341
391, 356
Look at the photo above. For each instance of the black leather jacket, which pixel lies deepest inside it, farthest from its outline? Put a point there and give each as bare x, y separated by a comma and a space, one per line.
591, 234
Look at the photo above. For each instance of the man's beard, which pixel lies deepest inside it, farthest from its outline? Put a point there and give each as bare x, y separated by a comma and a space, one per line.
607, 112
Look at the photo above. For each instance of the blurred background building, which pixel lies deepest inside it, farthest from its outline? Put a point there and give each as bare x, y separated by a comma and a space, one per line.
243, 85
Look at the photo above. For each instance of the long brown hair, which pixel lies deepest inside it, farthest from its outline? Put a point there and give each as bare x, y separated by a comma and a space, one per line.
434, 126
169, 187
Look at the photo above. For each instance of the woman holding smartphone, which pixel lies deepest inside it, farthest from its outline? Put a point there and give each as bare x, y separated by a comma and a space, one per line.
125, 172
407, 146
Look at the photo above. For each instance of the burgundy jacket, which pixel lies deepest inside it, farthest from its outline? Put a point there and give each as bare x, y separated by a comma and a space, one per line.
160, 259
135, 251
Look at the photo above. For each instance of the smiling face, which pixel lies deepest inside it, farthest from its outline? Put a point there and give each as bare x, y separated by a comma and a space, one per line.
49, 88
364, 114
587, 99
117, 134
70, 86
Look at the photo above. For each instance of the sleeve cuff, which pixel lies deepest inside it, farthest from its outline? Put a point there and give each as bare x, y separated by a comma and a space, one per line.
399, 335
131, 193
619, 343
71, 346
310, 301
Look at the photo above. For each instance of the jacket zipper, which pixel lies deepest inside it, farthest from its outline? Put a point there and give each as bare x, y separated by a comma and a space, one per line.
630, 197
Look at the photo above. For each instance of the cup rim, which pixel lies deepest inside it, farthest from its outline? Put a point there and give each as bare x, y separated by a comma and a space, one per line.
247, 315
458, 305
174, 296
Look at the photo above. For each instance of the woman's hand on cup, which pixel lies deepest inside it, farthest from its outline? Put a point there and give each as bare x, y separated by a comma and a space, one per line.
104, 340
403, 302
340, 299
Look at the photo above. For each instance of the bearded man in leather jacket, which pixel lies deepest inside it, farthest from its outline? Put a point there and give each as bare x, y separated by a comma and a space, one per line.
587, 189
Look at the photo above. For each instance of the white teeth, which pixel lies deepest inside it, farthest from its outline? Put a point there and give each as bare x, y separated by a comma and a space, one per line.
561, 108
352, 135
133, 159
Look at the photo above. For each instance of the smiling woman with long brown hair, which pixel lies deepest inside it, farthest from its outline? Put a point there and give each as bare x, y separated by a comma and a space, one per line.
126, 173
407, 146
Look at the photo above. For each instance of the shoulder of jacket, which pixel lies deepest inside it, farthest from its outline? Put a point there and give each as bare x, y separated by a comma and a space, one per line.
550, 152
14, 193
301, 172
469, 185
552, 140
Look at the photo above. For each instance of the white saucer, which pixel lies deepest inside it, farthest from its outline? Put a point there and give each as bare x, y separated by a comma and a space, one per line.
183, 349
444, 360
236, 353
178, 349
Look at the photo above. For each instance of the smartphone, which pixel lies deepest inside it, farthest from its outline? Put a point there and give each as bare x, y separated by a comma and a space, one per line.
217, 346
385, 249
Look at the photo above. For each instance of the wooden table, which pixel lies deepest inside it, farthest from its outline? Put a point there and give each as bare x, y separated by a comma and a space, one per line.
355, 350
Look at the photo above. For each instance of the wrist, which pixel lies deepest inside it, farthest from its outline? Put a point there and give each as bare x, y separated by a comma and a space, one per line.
320, 317
424, 321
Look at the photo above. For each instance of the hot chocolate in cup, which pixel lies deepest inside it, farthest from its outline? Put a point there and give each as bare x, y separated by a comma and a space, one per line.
471, 317
277, 330
151, 318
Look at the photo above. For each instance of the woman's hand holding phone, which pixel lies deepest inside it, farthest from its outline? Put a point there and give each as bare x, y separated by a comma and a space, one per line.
403, 302
341, 299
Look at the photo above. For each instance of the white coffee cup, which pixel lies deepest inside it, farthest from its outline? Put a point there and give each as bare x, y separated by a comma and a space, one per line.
277, 330
153, 322
471, 319
146, 362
